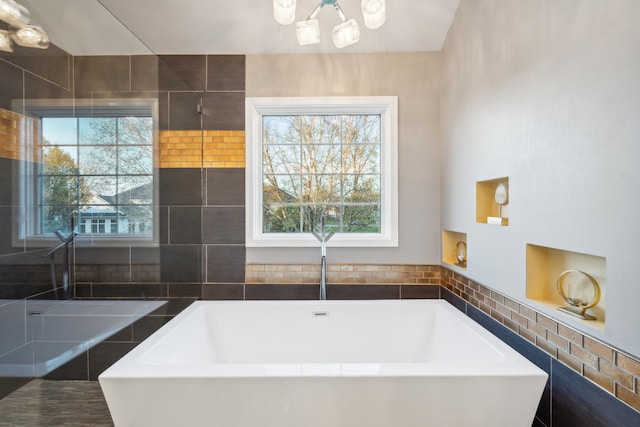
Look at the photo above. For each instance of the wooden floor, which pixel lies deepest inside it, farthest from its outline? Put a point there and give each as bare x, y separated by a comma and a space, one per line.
55, 403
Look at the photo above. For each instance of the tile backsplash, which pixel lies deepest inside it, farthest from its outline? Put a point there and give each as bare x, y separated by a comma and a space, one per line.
614, 371
343, 274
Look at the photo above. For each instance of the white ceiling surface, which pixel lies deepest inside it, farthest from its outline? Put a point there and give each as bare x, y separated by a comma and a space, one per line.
129, 27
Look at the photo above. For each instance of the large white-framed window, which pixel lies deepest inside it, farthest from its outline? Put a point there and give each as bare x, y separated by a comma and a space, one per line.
92, 161
314, 157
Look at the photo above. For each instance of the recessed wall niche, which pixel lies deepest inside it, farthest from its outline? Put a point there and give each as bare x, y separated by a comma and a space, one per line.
545, 266
454, 248
492, 200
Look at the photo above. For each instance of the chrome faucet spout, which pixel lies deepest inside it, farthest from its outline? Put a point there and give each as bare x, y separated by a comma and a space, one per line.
323, 237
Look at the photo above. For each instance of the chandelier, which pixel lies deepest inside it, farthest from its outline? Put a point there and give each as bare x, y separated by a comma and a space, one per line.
16, 26
344, 34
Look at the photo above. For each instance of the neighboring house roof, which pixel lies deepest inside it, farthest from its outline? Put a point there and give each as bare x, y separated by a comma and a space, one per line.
98, 206
103, 205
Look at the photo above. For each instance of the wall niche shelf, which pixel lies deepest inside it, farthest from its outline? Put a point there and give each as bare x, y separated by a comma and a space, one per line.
454, 245
492, 201
545, 266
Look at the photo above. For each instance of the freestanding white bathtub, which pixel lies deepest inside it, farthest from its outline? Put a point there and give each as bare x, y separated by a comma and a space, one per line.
400, 363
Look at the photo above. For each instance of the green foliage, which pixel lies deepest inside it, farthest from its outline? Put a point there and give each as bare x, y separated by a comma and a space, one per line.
62, 190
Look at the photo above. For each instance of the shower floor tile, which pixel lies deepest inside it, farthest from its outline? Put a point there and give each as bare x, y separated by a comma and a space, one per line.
55, 403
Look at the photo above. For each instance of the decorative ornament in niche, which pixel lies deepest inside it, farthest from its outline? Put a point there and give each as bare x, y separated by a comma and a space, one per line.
461, 254
501, 197
580, 290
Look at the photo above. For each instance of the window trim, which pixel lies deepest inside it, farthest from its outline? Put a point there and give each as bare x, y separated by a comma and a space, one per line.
386, 106
36, 108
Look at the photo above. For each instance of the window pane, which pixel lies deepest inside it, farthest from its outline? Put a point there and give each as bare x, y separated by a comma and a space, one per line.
60, 190
281, 159
320, 159
281, 219
59, 160
103, 187
361, 219
97, 130
101, 160
313, 218
361, 158
281, 189
135, 160
361, 189
57, 218
280, 130
59, 131
320, 189
363, 129
135, 130
319, 129
135, 190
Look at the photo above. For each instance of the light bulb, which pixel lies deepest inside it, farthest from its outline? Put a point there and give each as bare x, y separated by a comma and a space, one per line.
5, 41
374, 13
31, 36
308, 32
14, 14
346, 33
284, 11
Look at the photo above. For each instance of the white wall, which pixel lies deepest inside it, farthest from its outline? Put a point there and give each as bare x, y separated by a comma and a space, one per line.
415, 79
547, 93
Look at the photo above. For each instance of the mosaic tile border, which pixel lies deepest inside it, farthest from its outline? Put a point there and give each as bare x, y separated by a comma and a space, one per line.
366, 274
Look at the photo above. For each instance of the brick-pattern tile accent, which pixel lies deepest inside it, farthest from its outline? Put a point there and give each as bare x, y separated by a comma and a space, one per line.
614, 371
16, 132
198, 148
366, 274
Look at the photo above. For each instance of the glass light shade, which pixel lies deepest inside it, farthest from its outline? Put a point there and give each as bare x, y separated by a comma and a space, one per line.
284, 11
346, 33
5, 41
374, 13
308, 32
31, 36
14, 14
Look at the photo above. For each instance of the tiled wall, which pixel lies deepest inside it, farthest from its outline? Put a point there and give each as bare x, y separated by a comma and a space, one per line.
200, 169
200, 172
571, 358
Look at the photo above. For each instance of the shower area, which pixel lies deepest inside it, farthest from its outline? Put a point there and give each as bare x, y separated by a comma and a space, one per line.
122, 178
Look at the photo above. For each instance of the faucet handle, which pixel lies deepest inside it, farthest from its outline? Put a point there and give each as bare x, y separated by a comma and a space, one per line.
318, 236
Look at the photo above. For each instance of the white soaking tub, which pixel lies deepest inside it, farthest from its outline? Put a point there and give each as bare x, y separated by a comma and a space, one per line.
400, 363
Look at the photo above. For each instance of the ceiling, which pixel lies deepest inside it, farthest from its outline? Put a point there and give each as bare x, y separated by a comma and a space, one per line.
130, 27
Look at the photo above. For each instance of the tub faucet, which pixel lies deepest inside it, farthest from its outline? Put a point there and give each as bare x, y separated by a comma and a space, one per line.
65, 242
323, 237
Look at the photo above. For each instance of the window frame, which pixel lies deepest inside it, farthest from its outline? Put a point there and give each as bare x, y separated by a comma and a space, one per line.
385, 106
28, 187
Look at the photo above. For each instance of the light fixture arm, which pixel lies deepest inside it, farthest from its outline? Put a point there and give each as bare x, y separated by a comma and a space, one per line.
315, 11
340, 12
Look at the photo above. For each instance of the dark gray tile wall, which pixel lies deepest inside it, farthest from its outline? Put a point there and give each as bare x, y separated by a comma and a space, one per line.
100, 74
225, 73
223, 110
